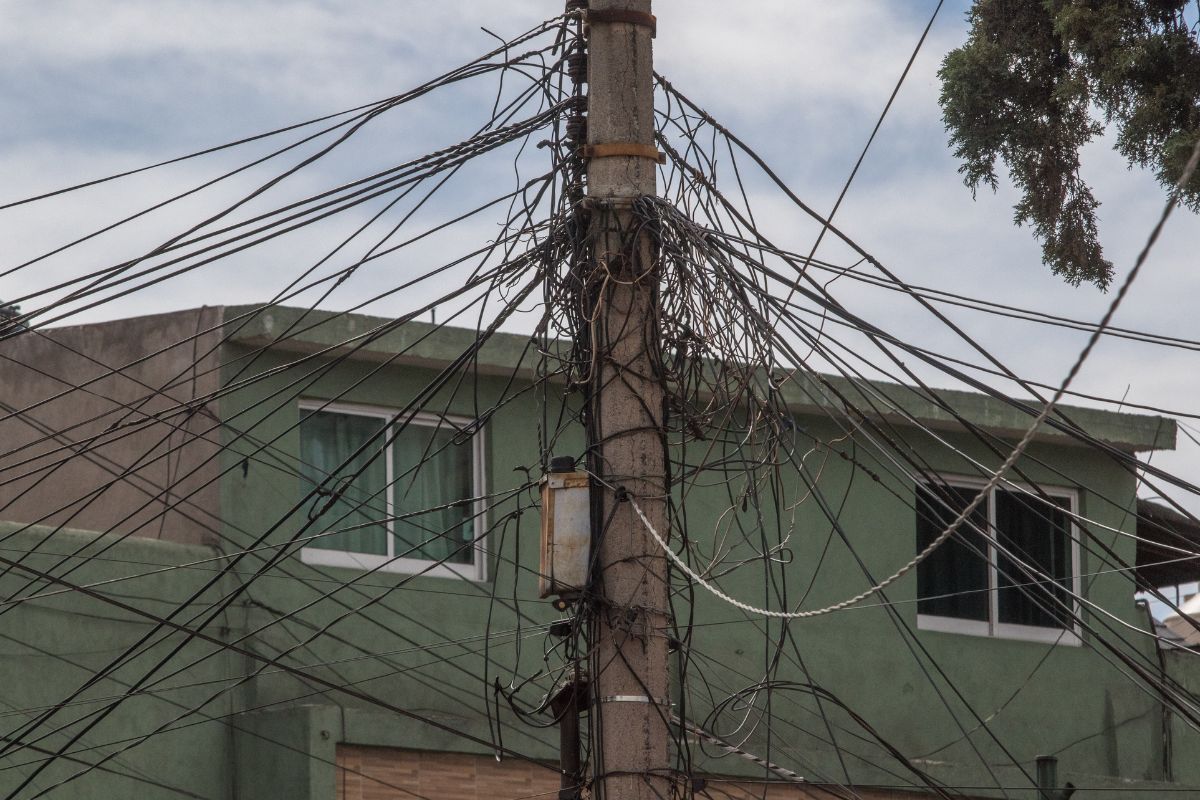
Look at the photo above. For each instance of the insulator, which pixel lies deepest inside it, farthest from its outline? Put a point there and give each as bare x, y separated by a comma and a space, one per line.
577, 128
577, 67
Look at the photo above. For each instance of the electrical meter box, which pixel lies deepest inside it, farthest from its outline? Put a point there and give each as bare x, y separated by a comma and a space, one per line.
566, 534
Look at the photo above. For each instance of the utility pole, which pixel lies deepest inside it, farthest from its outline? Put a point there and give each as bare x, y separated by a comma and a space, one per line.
629, 668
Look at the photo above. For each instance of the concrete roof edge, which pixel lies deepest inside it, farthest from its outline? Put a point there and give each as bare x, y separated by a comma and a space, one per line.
32, 537
428, 345
140, 318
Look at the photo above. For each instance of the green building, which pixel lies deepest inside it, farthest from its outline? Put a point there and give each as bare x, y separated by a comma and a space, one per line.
196, 603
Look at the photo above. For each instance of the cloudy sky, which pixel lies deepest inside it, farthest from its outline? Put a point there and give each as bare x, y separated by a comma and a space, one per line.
91, 88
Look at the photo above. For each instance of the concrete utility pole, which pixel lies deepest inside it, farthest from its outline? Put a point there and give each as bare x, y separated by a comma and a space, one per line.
629, 670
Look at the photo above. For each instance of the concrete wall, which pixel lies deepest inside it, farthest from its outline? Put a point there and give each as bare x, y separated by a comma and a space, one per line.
963, 706
1184, 742
273, 737
927, 693
395, 615
53, 644
62, 459
1018, 699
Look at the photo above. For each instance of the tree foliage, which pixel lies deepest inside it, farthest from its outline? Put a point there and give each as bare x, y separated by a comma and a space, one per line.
1038, 79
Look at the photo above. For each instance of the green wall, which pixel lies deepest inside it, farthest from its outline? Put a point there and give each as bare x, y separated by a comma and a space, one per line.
416, 642
913, 686
53, 644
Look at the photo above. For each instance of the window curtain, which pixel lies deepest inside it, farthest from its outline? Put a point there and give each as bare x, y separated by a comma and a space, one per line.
326, 440
1037, 534
432, 471
953, 580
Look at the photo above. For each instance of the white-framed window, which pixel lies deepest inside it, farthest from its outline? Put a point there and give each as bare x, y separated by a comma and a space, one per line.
416, 508
1010, 571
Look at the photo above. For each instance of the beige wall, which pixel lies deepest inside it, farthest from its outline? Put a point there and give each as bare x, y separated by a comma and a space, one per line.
384, 773
40, 481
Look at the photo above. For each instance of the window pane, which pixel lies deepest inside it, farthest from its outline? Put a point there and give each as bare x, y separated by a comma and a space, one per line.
953, 580
1036, 533
432, 470
327, 439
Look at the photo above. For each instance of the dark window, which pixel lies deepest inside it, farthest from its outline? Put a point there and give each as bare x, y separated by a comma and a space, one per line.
1011, 563
953, 580
1037, 534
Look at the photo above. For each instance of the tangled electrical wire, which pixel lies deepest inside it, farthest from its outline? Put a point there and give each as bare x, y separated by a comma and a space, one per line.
779, 403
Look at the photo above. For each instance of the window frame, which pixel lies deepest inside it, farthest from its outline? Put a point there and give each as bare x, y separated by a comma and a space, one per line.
389, 562
992, 627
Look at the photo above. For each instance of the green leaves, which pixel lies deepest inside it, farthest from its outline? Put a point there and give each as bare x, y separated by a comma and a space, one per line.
1039, 79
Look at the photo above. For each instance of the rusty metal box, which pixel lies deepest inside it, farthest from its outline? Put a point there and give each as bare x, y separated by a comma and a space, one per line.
566, 533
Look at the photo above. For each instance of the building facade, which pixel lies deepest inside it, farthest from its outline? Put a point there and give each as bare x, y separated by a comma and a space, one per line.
373, 630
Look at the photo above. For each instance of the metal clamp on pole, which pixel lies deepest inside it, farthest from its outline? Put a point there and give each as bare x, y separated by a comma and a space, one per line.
626, 149
634, 698
626, 16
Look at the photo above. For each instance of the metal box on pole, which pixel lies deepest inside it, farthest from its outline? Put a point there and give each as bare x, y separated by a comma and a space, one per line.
566, 531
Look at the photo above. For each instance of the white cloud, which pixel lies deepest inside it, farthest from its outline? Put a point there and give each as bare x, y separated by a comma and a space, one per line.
797, 59
316, 54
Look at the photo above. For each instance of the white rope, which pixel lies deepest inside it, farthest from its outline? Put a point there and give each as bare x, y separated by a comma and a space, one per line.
963, 515
783, 772
997, 476
733, 601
